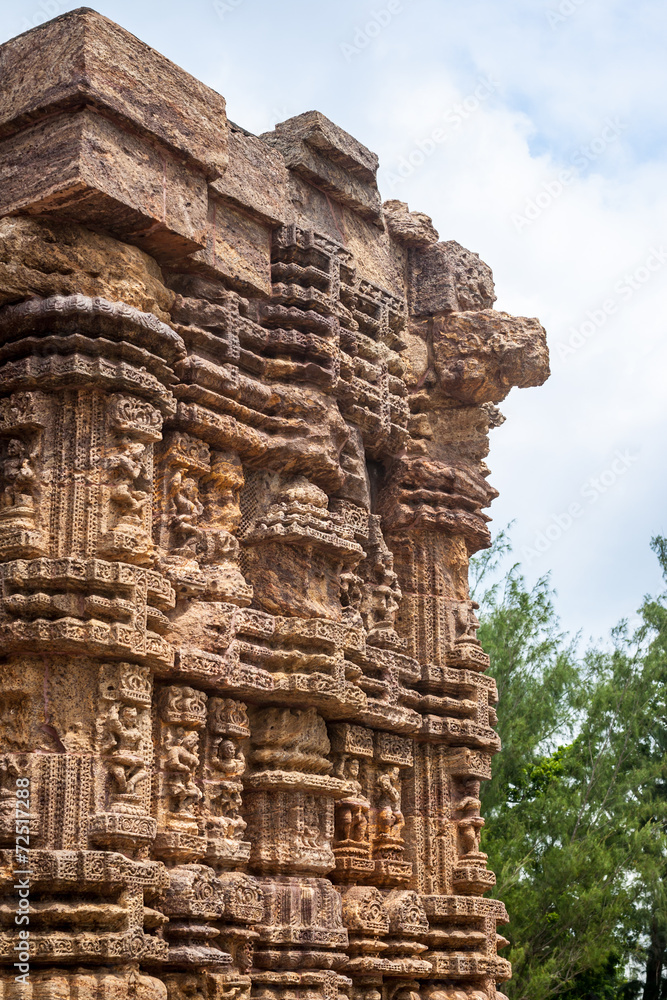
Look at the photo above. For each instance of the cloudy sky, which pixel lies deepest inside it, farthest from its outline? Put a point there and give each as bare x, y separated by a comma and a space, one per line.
533, 132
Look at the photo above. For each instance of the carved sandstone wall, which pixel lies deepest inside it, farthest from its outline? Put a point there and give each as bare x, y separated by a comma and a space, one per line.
243, 426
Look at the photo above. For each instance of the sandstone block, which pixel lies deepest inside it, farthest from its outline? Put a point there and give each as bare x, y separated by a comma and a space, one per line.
446, 277
42, 257
82, 58
479, 356
331, 159
84, 167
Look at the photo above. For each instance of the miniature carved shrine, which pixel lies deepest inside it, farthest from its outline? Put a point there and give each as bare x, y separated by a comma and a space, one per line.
243, 424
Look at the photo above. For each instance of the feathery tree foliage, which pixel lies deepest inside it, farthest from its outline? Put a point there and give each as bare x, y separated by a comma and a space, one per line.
576, 811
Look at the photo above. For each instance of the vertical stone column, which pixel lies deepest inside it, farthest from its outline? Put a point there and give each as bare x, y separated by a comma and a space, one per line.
86, 382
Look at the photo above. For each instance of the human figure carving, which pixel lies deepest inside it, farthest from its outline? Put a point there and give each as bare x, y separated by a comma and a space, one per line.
390, 819
351, 595
470, 822
471, 799
180, 764
228, 803
128, 465
228, 759
385, 601
352, 811
18, 475
467, 621
189, 510
382, 593
310, 837
9, 772
468, 832
124, 743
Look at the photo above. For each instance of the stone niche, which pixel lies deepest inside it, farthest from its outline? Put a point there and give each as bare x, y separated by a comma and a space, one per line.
243, 422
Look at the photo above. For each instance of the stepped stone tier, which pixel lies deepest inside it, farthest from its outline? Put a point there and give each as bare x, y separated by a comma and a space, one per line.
243, 422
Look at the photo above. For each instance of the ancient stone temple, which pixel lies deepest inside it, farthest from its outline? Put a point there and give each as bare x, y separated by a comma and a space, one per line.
243, 422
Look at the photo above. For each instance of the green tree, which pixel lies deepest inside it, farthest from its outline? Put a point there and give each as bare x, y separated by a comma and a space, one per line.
652, 900
576, 808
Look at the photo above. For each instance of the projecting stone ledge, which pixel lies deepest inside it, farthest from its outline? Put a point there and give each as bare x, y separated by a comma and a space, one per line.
244, 416
480, 356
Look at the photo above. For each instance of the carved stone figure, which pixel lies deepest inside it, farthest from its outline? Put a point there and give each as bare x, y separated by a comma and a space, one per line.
9, 772
228, 759
180, 764
187, 513
18, 476
125, 738
244, 416
229, 802
390, 820
352, 812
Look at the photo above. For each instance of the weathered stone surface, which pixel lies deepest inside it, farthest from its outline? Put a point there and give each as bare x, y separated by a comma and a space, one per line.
315, 130
42, 257
92, 61
479, 356
245, 712
412, 229
257, 179
84, 167
446, 277
330, 158
238, 247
